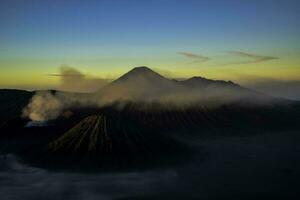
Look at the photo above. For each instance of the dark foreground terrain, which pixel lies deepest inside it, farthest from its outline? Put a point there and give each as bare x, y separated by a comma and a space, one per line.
264, 166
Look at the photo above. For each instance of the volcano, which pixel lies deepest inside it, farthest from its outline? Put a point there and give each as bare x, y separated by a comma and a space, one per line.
111, 141
155, 113
142, 84
139, 84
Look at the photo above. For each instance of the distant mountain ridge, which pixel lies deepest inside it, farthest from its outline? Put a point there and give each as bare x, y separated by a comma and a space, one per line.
145, 85
198, 80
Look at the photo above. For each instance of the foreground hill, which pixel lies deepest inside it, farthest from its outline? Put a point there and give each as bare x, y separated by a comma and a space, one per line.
108, 142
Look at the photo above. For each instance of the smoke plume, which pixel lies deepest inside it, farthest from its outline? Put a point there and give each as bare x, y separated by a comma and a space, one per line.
46, 105
73, 80
43, 106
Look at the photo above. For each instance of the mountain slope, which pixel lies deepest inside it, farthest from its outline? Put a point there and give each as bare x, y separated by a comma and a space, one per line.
84, 136
200, 82
113, 142
228, 91
141, 84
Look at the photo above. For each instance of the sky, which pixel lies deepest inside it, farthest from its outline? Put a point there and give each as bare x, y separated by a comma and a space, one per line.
244, 41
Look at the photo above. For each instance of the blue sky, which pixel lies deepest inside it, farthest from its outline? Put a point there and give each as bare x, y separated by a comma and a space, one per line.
110, 37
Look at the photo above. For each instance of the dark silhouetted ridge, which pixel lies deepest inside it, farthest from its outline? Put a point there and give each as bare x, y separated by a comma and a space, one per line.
198, 81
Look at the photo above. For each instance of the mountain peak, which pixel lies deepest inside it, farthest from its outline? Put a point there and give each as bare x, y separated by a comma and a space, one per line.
140, 83
141, 68
197, 78
141, 72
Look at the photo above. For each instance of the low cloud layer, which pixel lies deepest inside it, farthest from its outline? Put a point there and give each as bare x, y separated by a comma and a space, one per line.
237, 167
277, 88
22, 182
195, 57
74, 81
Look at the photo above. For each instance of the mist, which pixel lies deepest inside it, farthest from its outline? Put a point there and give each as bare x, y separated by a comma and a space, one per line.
277, 88
74, 89
140, 85
261, 166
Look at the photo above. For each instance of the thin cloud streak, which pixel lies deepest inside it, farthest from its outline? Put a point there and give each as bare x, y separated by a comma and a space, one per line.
197, 58
254, 57
63, 75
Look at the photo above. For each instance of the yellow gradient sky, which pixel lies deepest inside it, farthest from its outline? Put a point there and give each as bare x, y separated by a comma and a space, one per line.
179, 39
